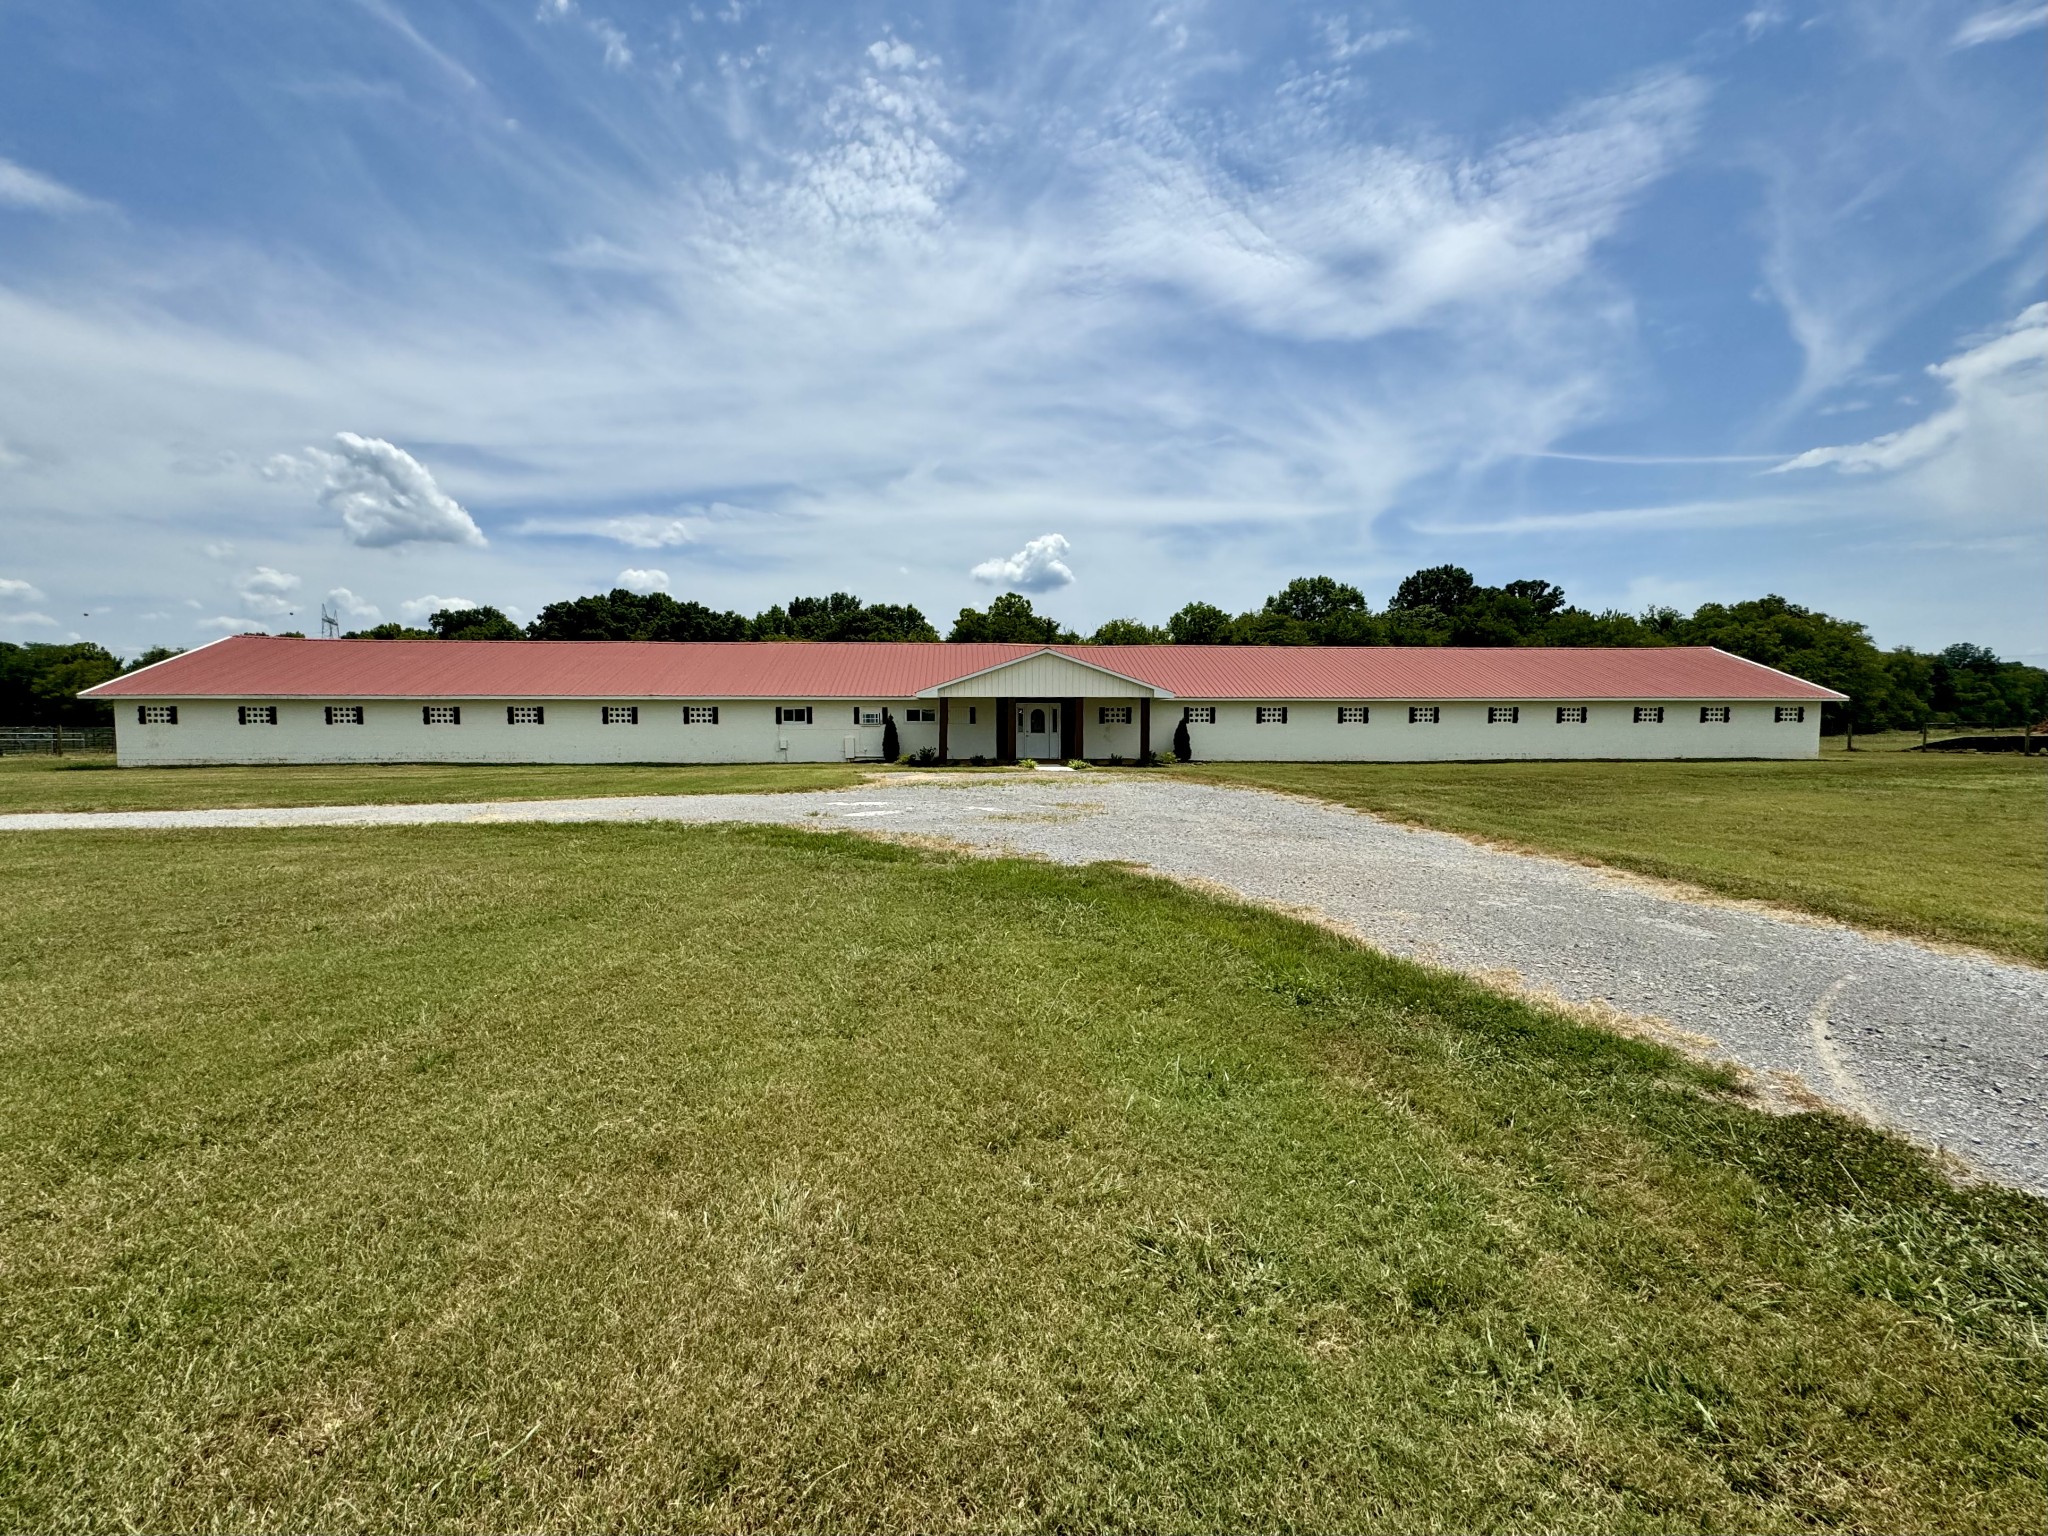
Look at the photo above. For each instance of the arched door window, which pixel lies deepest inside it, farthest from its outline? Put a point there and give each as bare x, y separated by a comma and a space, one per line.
1038, 722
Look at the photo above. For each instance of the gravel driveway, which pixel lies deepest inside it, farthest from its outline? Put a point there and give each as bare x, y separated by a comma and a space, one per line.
1951, 1049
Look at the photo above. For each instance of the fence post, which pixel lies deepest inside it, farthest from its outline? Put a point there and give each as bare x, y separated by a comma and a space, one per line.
60, 739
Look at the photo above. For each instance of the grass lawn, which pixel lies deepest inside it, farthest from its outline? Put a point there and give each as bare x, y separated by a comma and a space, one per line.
94, 784
1945, 847
517, 1178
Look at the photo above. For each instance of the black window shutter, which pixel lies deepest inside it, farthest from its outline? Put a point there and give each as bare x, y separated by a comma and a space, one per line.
455, 715
1283, 714
511, 713
540, 714
714, 714
778, 714
426, 714
142, 714
856, 714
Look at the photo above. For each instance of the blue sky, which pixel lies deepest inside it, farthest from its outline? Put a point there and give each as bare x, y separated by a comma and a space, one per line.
390, 303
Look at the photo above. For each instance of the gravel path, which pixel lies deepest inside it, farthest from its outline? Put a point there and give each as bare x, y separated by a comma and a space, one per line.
1951, 1049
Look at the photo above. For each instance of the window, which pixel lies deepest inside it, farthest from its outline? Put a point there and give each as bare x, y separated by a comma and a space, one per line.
862, 715
971, 713
1422, 714
524, 714
344, 714
1270, 714
1571, 714
1649, 714
1784, 714
441, 714
1713, 714
1114, 714
256, 714
620, 714
1503, 714
928, 716
167, 714
793, 714
1353, 714
1199, 714
700, 714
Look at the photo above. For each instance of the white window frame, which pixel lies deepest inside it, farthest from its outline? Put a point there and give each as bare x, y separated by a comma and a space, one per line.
1503, 714
1789, 714
619, 714
1425, 714
156, 714
1572, 714
255, 714
344, 714
1649, 714
440, 714
700, 714
526, 714
1716, 714
1269, 714
1198, 714
1354, 714
1113, 714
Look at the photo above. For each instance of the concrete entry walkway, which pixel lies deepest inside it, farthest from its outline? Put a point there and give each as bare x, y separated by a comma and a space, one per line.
1950, 1048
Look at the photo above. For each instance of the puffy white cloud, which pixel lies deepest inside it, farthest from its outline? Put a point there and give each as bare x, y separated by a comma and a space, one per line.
383, 495
2000, 23
230, 626
420, 607
27, 620
2001, 380
21, 187
16, 591
635, 579
1037, 567
268, 591
348, 605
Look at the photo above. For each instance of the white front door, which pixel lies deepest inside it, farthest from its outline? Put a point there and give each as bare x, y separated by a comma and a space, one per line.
1038, 731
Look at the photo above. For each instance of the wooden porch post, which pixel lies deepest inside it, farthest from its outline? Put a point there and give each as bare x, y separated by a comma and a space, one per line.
945, 719
1074, 738
1144, 729
1006, 730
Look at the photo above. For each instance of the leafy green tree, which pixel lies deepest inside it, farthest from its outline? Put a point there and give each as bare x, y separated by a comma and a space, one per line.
1268, 628
1127, 632
390, 631
1836, 653
1329, 612
1444, 588
485, 623
1199, 624
39, 683
892, 741
1183, 748
1010, 619
842, 616
153, 655
623, 615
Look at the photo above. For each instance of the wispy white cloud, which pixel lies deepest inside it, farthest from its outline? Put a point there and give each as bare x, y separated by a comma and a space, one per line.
2000, 23
382, 494
267, 591
1994, 387
21, 187
15, 590
638, 579
231, 626
349, 605
1040, 566
420, 607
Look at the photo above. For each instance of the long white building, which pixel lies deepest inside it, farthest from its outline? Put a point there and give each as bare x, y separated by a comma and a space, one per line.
264, 699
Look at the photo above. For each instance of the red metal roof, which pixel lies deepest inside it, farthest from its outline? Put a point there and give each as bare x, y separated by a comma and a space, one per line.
274, 667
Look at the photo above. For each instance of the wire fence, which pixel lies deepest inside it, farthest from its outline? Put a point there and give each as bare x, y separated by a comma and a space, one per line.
55, 740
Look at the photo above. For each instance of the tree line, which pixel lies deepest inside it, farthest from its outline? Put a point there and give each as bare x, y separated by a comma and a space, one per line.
1898, 689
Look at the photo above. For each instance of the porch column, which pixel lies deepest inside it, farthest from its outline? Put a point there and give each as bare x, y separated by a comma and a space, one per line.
1006, 730
1071, 747
1144, 729
945, 719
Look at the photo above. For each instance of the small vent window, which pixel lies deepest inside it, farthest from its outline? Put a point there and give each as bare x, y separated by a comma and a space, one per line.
868, 716
1199, 714
1503, 714
344, 714
1353, 714
256, 714
1422, 714
1571, 714
1114, 714
1714, 714
621, 714
1271, 714
525, 714
1649, 714
1785, 714
441, 714
160, 714
700, 714
793, 714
